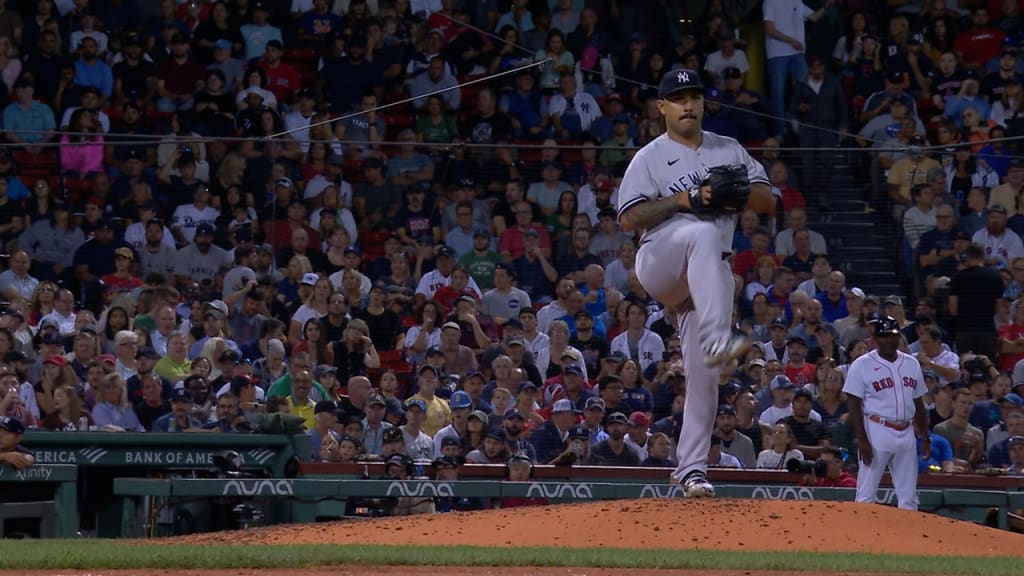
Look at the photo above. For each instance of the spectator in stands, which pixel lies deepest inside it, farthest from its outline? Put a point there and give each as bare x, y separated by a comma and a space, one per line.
572, 111
920, 217
966, 439
796, 219
27, 122
178, 77
638, 342
784, 45
1000, 244
802, 260
980, 43
999, 455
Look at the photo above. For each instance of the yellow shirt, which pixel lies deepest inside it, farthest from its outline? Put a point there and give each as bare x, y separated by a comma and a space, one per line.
1005, 195
171, 371
439, 414
304, 411
905, 173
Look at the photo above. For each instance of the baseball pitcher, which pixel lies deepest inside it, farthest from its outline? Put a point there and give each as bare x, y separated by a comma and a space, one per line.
682, 192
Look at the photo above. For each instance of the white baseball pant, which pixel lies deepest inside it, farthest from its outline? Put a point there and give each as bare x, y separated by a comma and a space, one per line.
663, 266
897, 451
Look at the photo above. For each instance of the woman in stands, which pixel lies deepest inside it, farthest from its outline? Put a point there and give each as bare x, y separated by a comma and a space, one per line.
331, 204
1010, 105
314, 306
828, 345
855, 350
10, 66
289, 289
558, 58
40, 206
67, 414
351, 287
549, 361
314, 343
112, 320
81, 150
355, 352
436, 126
476, 426
320, 131
782, 449
268, 124
966, 172
425, 333
338, 242
561, 220
113, 412
939, 36
42, 301
848, 47
831, 401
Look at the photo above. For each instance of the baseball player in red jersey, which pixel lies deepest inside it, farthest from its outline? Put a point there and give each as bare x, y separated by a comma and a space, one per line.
884, 389
682, 192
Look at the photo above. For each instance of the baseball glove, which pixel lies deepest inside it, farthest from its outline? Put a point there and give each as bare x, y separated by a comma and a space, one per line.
730, 189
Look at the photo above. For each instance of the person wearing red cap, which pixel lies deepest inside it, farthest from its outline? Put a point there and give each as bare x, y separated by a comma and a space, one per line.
638, 433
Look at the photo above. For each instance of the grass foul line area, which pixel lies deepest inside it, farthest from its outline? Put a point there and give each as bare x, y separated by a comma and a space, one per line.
92, 554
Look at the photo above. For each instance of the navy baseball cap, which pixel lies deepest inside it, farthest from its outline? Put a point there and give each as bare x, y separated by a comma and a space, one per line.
181, 394
12, 425
679, 79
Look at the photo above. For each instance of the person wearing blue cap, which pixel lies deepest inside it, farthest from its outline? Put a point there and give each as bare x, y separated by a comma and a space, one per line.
461, 405
418, 444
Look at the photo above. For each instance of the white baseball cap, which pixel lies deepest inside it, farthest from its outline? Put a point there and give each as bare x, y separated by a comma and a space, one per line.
310, 278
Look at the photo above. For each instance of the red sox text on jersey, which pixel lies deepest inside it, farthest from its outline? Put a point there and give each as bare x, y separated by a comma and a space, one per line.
887, 383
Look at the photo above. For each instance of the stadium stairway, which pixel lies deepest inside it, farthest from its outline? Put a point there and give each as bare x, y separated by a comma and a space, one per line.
857, 237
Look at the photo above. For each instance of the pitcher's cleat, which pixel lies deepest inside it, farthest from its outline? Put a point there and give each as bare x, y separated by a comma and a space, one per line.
696, 485
726, 349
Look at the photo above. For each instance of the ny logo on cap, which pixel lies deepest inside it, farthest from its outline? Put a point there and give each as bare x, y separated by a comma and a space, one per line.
683, 77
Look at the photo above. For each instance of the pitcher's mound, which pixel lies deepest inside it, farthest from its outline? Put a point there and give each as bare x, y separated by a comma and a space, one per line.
719, 524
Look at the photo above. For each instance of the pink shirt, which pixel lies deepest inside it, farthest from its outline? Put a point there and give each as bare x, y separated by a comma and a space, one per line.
81, 157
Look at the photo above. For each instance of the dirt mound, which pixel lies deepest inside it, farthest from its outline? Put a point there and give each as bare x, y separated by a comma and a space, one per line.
720, 524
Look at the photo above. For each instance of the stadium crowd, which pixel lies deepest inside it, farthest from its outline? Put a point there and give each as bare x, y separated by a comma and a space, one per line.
208, 216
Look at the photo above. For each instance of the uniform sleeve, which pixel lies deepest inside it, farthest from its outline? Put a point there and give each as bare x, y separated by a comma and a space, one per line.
755, 170
854, 384
637, 186
918, 376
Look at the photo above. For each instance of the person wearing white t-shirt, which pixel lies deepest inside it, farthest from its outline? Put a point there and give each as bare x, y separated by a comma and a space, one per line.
187, 217
726, 56
297, 121
636, 341
442, 274
1001, 244
135, 233
784, 48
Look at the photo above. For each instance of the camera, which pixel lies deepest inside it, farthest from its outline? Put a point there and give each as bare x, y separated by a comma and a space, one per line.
818, 467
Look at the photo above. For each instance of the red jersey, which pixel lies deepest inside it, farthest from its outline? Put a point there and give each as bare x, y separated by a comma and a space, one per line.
281, 80
745, 261
1010, 332
979, 44
800, 376
115, 283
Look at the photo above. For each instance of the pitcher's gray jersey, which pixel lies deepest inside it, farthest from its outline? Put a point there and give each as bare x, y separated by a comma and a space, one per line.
665, 167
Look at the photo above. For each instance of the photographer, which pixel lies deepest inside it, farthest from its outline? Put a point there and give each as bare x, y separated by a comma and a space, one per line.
825, 472
401, 467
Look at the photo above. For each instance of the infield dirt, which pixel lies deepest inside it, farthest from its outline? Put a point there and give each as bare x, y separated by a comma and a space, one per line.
720, 524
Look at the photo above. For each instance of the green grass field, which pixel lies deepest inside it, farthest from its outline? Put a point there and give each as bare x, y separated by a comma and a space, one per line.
111, 554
